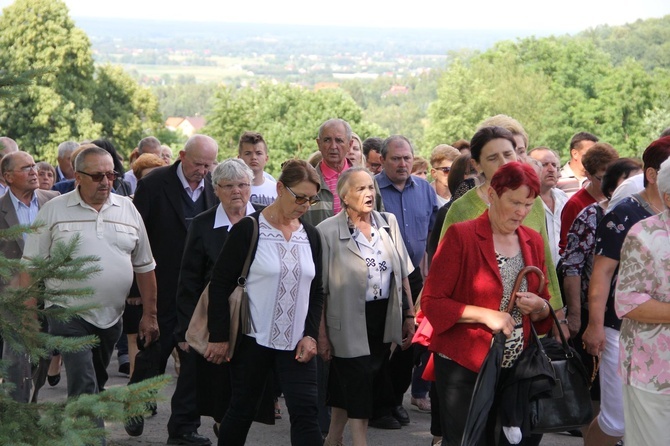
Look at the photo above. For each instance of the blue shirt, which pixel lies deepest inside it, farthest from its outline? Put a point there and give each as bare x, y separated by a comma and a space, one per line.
415, 207
25, 214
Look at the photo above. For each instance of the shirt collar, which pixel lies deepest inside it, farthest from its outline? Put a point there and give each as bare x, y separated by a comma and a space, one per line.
16, 202
184, 181
330, 173
221, 219
384, 181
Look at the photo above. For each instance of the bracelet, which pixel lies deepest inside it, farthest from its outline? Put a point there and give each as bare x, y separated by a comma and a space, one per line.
309, 337
541, 309
563, 322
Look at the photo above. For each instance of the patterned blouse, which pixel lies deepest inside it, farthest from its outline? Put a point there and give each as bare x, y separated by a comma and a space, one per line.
509, 270
643, 275
578, 254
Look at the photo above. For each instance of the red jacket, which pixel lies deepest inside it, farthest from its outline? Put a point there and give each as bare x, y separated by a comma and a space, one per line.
464, 272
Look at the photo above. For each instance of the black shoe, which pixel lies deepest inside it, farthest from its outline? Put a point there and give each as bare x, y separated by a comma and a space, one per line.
135, 426
124, 368
384, 422
400, 414
53, 379
191, 438
153, 408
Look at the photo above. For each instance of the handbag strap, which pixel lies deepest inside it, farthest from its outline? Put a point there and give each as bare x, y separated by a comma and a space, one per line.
519, 279
242, 280
564, 341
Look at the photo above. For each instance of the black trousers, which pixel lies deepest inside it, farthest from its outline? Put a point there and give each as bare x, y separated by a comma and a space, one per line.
249, 370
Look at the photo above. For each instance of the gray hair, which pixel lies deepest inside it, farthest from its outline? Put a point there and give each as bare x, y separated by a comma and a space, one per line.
663, 178
80, 160
390, 140
328, 123
231, 169
66, 148
343, 181
150, 143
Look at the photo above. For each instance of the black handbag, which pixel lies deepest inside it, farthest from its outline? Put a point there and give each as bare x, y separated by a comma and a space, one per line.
568, 406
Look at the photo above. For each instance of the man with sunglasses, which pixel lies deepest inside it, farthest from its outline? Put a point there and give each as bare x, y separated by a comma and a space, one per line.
19, 206
110, 228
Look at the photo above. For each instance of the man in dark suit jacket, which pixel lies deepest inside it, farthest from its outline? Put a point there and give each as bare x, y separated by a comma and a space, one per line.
168, 199
20, 174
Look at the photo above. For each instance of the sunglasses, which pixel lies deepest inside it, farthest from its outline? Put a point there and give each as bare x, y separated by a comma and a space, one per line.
302, 200
97, 177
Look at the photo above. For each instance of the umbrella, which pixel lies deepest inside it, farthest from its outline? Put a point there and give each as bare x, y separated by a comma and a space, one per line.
487, 379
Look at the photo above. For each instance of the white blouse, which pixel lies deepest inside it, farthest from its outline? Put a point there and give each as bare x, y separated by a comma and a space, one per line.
378, 262
278, 285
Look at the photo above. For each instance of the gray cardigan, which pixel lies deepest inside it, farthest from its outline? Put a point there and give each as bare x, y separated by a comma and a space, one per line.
345, 282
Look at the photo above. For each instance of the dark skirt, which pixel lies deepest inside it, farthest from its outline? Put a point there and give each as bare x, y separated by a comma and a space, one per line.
356, 384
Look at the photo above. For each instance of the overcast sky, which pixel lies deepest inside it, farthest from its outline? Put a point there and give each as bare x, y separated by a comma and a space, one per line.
563, 15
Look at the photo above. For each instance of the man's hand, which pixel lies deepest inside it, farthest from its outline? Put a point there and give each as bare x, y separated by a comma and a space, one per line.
148, 331
217, 352
594, 339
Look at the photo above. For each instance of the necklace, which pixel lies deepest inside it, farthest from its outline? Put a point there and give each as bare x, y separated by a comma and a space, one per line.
646, 197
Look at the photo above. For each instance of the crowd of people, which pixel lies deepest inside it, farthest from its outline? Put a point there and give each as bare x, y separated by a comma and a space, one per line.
365, 280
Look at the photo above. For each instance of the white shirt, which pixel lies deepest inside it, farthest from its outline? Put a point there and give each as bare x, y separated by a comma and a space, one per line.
116, 235
278, 285
221, 218
628, 187
193, 193
131, 179
553, 220
264, 194
378, 262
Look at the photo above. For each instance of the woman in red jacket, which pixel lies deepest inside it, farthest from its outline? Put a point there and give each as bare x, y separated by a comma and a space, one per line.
468, 289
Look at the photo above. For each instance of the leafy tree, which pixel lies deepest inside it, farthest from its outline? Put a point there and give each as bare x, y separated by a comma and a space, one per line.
126, 111
287, 116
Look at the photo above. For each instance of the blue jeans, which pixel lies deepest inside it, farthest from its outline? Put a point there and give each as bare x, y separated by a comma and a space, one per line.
249, 370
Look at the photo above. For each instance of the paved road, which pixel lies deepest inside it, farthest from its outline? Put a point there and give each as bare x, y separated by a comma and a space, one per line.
155, 431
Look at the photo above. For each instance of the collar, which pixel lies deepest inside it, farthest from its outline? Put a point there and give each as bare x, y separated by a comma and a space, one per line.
221, 218
330, 173
16, 202
184, 181
74, 199
384, 181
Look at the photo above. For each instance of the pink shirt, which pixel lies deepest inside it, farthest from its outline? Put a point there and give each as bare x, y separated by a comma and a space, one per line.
330, 177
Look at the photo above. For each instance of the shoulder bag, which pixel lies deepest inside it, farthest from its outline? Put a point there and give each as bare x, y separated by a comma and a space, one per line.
197, 334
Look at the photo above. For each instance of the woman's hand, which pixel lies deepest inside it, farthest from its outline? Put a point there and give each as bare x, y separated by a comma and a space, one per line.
306, 349
594, 339
530, 303
498, 321
324, 348
217, 352
408, 330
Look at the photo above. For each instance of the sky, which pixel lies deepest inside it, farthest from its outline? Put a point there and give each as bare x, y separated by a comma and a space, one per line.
561, 15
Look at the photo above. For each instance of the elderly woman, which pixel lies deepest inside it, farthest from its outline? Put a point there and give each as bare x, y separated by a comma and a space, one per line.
205, 238
491, 148
285, 301
365, 268
145, 163
469, 287
46, 175
642, 300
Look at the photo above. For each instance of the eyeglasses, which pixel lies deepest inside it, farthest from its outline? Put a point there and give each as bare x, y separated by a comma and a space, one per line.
443, 169
97, 177
230, 187
27, 169
599, 178
302, 200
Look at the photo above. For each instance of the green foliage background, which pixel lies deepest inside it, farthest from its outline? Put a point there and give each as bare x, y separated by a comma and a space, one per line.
611, 81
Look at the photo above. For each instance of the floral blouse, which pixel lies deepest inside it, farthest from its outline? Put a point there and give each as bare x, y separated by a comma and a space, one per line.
643, 275
578, 254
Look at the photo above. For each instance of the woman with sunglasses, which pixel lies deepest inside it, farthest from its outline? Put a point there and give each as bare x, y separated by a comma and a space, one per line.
365, 268
285, 302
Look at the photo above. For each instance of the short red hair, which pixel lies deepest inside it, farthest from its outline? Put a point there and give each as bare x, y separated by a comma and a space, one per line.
514, 175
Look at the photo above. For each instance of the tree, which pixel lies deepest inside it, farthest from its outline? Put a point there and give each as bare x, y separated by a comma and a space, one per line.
72, 422
287, 116
126, 111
